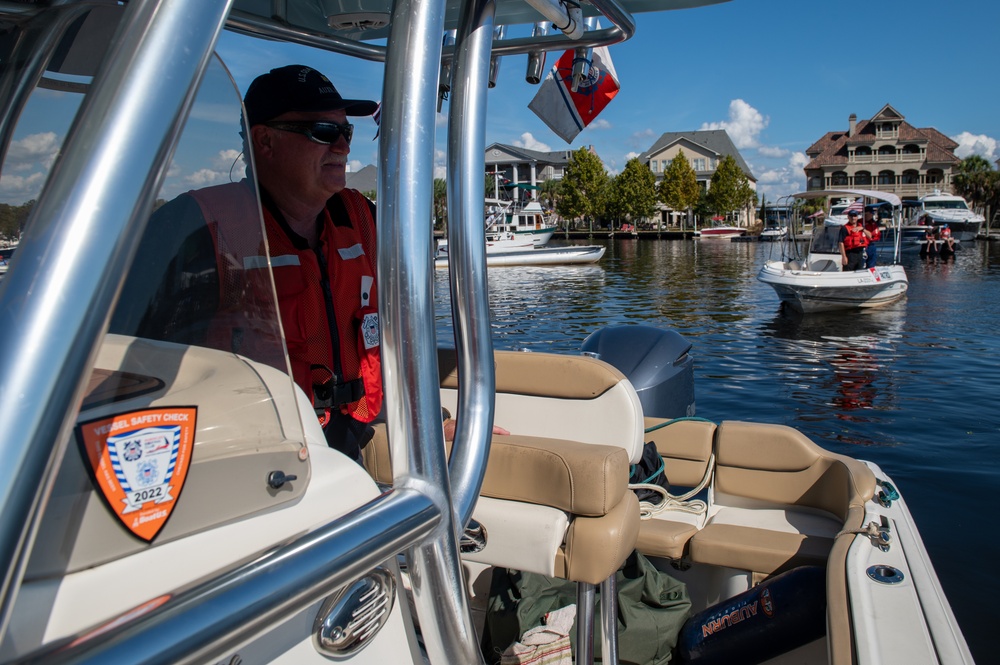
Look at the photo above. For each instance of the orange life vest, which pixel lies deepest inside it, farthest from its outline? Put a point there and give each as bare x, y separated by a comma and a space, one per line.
329, 314
855, 238
872, 227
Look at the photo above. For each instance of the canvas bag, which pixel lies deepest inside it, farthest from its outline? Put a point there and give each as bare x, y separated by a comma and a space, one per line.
652, 608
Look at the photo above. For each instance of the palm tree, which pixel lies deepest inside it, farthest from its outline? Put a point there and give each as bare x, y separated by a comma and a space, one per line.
440, 203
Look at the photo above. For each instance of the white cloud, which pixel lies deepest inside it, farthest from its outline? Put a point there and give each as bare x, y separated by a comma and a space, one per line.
601, 123
772, 151
531, 143
631, 155
16, 189
354, 165
440, 168
975, 144
798, 161
33, 150
744, 124
205, 177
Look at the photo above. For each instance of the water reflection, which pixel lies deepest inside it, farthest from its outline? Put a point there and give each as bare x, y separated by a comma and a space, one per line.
841, 363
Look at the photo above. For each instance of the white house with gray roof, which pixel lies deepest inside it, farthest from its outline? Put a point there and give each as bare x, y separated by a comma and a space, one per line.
525, 169
704, 150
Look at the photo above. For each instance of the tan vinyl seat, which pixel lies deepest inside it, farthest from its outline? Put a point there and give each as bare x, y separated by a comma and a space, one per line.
780, 500
686, 447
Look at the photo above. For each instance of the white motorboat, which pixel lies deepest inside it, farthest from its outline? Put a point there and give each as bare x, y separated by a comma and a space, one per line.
772, 233
506, 249
817, 283
940, 209
246, 538
720, 232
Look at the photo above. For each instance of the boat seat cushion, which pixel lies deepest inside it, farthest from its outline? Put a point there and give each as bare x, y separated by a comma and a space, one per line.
757, 550
586, 480
558, 396
686, 447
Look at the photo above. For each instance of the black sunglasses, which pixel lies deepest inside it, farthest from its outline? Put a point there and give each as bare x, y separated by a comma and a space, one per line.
324, 133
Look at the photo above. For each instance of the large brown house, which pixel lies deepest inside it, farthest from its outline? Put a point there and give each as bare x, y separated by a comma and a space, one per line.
885, 153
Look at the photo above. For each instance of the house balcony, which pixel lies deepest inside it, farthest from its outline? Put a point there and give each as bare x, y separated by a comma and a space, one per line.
885, 159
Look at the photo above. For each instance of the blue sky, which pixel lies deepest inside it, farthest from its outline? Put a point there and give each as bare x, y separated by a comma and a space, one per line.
776, 74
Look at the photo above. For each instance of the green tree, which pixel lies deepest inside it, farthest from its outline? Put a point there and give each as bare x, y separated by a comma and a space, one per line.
584, 187
550, 193
679, 188
977, 182
632, 195
440, 202
729, 189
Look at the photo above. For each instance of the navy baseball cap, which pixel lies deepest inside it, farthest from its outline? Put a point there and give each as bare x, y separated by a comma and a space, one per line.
297, 88
852, 213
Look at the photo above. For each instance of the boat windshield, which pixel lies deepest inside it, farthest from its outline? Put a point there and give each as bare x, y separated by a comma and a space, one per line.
179, 299
826, 240
947, 204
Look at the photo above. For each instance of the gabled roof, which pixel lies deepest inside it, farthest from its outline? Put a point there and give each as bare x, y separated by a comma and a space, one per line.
832, 148
713, 140
365, 180
559, 157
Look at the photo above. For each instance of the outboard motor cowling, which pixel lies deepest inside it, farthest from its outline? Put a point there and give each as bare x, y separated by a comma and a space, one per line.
654, 360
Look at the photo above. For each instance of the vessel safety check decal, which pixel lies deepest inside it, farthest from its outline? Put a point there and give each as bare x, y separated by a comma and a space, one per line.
140, 460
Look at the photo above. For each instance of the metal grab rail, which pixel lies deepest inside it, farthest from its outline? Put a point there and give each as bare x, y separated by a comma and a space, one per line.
622, 29
467, 256
208, 621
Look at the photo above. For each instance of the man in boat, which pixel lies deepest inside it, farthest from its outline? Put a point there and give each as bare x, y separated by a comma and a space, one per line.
316, 229
853, 241
873, 228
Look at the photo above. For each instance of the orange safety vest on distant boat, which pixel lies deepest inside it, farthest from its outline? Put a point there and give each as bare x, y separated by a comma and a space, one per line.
855, 238
873, 228
329, 315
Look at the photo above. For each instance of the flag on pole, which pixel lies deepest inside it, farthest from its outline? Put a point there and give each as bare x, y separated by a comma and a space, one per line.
857, 207
566, 111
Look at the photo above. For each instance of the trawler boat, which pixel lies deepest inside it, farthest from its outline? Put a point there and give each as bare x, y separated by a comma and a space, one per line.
818, 283
168, 496
525, 220
939, 209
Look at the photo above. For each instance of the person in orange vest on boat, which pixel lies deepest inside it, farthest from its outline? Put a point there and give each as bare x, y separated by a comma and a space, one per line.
853, 241
873, 228
322, 243
321, 239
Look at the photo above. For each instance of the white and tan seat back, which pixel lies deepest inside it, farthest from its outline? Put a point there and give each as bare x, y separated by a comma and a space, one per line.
575, 398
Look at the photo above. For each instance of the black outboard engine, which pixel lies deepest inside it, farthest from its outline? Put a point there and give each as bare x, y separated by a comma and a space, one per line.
654, 360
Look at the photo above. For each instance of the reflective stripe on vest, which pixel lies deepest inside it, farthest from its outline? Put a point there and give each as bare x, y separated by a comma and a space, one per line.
349, 254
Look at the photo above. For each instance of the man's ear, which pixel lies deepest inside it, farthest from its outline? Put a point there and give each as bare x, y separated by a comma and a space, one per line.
260, 140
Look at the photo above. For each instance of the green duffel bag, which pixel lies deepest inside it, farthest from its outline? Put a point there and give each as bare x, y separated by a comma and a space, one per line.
652, 608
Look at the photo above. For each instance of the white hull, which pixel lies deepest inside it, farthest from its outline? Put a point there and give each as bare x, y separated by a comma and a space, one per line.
965, 227
538, 256
539, 237
823, 291
720, 232
773, 234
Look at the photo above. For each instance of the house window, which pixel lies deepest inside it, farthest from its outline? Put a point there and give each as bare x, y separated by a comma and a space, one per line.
862, 178
654, 166
910, 177
886, 178
698, 163
838, 178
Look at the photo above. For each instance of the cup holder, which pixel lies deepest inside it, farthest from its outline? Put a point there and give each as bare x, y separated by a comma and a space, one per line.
885, 574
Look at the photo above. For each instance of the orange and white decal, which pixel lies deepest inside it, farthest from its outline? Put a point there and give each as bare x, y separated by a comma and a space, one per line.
140, 461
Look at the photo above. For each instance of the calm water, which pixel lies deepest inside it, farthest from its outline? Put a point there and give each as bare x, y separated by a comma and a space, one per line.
912, 386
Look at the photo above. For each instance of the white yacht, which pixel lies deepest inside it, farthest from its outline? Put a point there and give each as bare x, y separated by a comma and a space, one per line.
939, 209
168, 495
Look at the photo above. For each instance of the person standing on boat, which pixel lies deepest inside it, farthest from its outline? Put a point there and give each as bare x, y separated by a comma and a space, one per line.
873, 228
853, 241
